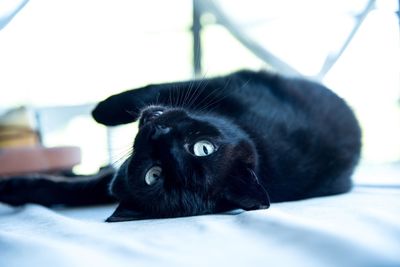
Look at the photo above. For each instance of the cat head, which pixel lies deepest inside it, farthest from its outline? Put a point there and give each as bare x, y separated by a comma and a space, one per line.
186, 164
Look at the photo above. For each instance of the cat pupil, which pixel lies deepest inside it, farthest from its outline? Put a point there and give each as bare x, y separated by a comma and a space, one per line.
205, 150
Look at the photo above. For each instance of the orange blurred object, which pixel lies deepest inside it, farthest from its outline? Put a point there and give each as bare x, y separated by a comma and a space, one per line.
22, 160
17, 136
21, 151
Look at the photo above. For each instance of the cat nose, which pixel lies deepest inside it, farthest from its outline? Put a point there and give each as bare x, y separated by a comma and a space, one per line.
159, 130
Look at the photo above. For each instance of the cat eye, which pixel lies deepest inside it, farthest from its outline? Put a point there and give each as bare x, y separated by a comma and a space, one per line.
203, 148
153, 175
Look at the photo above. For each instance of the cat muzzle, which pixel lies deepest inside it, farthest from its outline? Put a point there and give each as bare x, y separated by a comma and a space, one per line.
159, 130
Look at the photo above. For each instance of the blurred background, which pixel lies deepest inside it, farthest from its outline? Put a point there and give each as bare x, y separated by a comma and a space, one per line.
58, 58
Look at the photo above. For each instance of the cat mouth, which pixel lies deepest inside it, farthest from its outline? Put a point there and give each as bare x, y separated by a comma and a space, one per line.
149, 114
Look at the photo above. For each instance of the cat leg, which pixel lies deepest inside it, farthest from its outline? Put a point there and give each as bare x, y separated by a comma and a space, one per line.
51, 190
125, 107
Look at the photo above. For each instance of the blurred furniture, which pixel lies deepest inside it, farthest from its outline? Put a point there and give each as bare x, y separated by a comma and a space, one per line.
38, 159
21, 150
8, 9
236, 24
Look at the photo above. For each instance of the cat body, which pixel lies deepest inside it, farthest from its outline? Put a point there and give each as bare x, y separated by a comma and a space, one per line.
237, 141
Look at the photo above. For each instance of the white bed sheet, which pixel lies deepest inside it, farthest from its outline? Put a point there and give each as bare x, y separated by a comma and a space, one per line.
361, 228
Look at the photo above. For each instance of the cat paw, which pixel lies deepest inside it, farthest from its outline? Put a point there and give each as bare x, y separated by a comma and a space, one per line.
14, 191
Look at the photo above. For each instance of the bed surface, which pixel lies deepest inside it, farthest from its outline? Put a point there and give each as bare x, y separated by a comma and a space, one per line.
361, 228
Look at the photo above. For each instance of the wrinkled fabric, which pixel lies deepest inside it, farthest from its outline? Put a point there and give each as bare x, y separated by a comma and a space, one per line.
361, 228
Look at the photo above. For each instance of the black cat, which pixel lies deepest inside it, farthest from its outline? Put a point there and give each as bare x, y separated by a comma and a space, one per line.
212, 145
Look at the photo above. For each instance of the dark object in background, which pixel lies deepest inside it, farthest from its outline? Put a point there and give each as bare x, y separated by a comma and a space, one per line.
216, 144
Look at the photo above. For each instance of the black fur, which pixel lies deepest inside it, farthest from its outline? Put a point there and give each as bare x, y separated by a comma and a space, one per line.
289, 137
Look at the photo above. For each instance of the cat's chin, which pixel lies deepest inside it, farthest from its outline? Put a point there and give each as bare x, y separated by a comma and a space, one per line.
150, 113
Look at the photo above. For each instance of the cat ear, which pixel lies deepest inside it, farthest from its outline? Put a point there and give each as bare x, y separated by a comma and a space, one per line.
247, 193
123, 213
